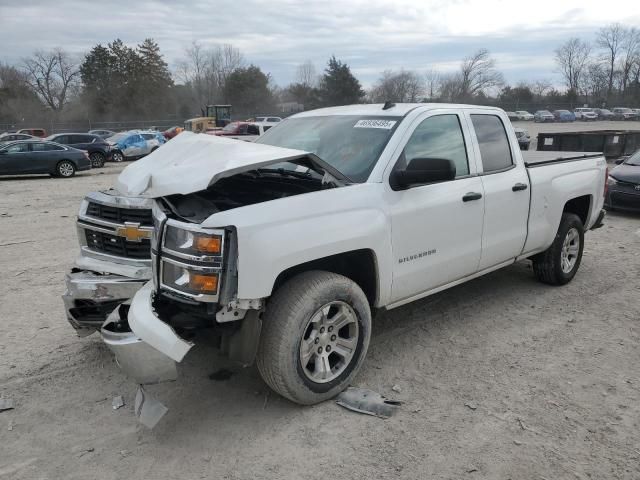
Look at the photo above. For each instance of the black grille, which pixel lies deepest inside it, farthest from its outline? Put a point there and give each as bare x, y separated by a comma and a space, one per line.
120, 215
119, 246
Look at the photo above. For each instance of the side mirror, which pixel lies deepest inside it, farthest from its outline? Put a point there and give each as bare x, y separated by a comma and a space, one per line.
423, 170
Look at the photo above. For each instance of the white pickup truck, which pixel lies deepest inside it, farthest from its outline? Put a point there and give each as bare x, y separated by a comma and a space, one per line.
286, 247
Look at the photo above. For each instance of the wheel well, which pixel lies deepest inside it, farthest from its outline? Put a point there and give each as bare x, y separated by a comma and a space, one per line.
358, 265
579, 206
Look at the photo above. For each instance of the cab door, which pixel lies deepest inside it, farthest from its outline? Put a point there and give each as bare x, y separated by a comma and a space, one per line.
436, 228
506, 189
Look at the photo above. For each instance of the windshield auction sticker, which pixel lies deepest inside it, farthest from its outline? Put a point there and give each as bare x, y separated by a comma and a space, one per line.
384, 124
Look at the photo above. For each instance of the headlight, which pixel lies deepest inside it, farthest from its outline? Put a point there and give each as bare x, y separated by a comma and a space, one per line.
189, 279
193, 243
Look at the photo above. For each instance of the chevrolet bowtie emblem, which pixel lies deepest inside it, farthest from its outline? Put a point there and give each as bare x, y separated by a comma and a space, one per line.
132, 232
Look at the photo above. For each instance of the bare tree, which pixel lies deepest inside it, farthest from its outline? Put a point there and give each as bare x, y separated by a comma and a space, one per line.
404, 86
432, 80
596, 81
52, 76
610, 39
630, 55
206, 71
541, 87
306, 74
572, 58
478, 74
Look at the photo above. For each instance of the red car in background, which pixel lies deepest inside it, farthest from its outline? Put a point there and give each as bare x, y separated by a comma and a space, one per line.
36, 132
236, 129
172, 132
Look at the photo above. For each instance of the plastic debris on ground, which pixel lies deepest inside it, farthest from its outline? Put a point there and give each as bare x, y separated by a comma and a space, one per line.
117, 402
367, 401
148, 410
6, 404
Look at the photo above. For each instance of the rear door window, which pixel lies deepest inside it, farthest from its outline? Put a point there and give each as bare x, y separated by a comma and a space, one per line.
62, 139
493, 142
37, 147
50, 147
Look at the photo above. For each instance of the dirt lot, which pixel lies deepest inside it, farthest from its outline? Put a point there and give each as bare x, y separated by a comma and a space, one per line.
502, 378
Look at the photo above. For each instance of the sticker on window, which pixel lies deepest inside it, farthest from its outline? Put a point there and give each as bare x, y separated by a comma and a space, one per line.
384, 124
615, 139
548, 141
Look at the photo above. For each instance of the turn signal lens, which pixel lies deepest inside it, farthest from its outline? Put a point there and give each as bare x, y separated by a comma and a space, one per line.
189, 280
203, 283
206, 244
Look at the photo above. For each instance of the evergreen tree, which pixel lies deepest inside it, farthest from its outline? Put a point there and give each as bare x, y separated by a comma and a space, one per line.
338, 86
247, 89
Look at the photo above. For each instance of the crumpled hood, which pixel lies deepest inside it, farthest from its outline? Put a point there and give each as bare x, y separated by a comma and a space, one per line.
191, 162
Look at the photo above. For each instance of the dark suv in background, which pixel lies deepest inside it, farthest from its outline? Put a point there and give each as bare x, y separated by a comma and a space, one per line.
98, 149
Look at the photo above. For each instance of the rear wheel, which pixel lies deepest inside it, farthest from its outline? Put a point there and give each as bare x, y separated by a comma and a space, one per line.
559, 263
117, 157
65, 169
97, 160
314, 337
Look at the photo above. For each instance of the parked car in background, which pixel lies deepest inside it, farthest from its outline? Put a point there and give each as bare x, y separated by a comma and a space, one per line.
585, 114
624, 185
36, 132
637, 112
512, 116
564, 116
543, 116
243, 130
102, 133
621, 113
524, 115
604, 114
267, 119
154, 139
134, 144
97, 147
12, 137
524, 140
39, 156
172, 132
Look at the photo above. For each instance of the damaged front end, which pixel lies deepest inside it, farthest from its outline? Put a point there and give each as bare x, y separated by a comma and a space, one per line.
115, 257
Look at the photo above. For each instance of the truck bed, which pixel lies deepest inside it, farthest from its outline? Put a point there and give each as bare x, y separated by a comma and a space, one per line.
536, 159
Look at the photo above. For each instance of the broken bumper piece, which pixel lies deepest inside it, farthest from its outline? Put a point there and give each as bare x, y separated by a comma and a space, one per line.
91, 297
145, 347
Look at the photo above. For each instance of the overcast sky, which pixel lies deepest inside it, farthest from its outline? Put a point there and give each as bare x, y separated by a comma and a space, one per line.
371, 35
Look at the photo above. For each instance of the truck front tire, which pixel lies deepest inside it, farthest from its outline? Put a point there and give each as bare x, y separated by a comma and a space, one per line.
315, 335
558, 264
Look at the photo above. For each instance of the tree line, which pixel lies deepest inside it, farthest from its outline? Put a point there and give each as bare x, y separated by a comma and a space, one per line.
121, 82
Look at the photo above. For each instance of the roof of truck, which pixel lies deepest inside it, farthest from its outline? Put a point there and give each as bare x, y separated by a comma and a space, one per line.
398, 110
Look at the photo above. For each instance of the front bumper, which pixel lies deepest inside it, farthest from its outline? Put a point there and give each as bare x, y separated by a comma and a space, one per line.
90, 297
146, 348
137, 359
625, 198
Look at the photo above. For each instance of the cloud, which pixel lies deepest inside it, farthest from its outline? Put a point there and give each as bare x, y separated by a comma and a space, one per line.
371, 36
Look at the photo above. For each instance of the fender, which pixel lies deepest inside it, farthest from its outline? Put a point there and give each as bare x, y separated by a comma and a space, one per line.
299, 229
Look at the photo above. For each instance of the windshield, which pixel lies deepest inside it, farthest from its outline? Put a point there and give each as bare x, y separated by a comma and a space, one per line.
349, 143
634, 159
230, 128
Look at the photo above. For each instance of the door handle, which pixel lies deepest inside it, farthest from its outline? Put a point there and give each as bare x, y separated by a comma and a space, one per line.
471, 196
519, 186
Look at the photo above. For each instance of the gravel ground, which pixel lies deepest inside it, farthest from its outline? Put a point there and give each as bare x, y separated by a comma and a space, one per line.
501, 378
